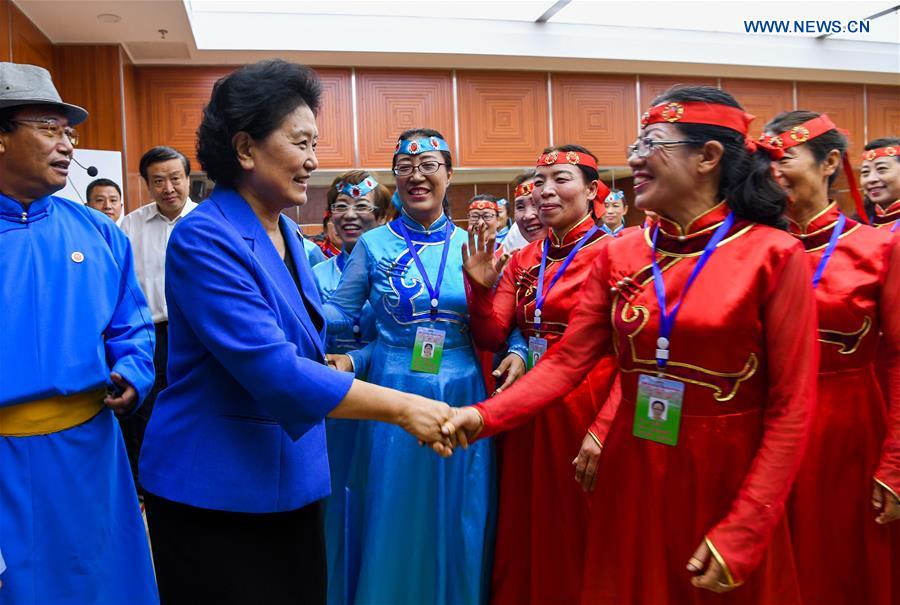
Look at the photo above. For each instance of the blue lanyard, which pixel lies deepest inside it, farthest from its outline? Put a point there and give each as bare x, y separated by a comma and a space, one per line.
433, 291
896, 224
667, 318
541, 296
829, 250
341, 261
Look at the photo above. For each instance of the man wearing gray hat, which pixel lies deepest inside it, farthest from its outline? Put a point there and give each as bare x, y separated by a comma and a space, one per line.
76, 349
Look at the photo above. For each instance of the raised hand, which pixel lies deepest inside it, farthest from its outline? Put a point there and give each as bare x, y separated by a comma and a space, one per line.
479, 261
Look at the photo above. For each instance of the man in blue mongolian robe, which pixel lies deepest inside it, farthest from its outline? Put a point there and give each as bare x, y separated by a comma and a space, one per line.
76, 348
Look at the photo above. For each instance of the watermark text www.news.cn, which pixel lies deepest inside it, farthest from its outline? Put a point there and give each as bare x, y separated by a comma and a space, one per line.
807, 26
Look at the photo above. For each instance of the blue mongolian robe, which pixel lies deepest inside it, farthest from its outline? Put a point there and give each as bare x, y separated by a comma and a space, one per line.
72, 313
427, 532
348, 448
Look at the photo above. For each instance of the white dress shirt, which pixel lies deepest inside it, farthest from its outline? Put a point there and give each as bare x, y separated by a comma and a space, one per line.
149, 233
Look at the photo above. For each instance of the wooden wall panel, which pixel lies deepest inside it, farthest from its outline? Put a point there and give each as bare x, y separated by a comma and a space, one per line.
389, 102
883, 111
597, 112
171, 102
335, 120
653, 86
29, 44
762, 98
5, 30
90, 76
503, 117
844, 103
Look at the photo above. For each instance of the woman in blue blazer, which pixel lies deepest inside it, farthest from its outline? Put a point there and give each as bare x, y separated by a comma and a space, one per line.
234, 460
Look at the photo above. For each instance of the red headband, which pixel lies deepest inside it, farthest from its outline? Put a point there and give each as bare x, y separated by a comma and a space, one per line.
567, 157
698, 112
524, 189
882, 152
800, 134
483, 205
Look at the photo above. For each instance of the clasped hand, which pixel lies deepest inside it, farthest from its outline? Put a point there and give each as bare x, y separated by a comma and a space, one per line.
439, 426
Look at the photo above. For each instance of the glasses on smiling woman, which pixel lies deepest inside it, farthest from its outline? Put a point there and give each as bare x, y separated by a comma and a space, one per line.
358, 208
486, 217
50, 128
645, 146
426, 167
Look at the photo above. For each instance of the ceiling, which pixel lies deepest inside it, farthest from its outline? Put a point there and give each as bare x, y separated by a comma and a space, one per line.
686, 38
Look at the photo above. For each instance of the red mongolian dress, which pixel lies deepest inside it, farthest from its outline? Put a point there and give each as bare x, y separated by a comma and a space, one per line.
543, 513
888, 218
843, 556
744, 345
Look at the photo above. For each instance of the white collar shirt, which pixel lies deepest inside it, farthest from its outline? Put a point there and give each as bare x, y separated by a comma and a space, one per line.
149, 232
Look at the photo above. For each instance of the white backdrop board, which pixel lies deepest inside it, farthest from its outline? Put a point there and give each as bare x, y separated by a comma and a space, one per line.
108, 164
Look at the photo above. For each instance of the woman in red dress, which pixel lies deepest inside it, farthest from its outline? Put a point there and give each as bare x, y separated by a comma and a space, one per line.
538, 560
691, 493
879, 177
842, 546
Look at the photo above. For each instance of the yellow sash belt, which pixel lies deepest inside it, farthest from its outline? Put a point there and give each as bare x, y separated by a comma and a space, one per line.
50, 415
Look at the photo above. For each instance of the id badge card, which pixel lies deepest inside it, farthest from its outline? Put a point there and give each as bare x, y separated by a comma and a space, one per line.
657, 414
428, 350
536, 349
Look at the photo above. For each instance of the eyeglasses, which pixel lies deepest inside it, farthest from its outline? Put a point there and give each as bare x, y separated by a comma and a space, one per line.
51, 128
487, 217
358, 208
426, 167
645, 146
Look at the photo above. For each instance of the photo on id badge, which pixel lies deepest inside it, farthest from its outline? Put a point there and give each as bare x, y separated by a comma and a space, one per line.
657, 414
427, 350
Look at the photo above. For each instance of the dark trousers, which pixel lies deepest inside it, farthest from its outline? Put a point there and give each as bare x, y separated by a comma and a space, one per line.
211, 556
134, 425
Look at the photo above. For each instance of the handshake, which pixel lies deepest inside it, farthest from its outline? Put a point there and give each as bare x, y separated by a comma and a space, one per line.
438, 425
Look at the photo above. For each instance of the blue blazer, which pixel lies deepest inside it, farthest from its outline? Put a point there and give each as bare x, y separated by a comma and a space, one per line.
240, 426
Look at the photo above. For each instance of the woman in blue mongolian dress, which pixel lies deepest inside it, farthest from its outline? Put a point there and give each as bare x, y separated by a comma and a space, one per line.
356, 204
427, 531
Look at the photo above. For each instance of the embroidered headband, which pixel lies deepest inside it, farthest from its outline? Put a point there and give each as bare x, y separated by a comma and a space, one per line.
417, 146
358, 190
616, 196
698, 112
567, 157
524, 189
882, 152
711, 114
808, 130
483, 205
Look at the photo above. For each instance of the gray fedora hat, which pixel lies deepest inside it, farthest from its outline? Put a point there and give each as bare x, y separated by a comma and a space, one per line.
31, 85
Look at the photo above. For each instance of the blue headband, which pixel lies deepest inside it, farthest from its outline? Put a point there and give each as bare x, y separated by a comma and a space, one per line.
417, 146
616, 196
502, 202
357, 191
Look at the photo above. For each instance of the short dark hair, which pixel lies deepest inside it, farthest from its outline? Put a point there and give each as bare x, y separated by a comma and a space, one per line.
746, 182
381, 195
820, 146
102, 183
162, 154
254, 99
